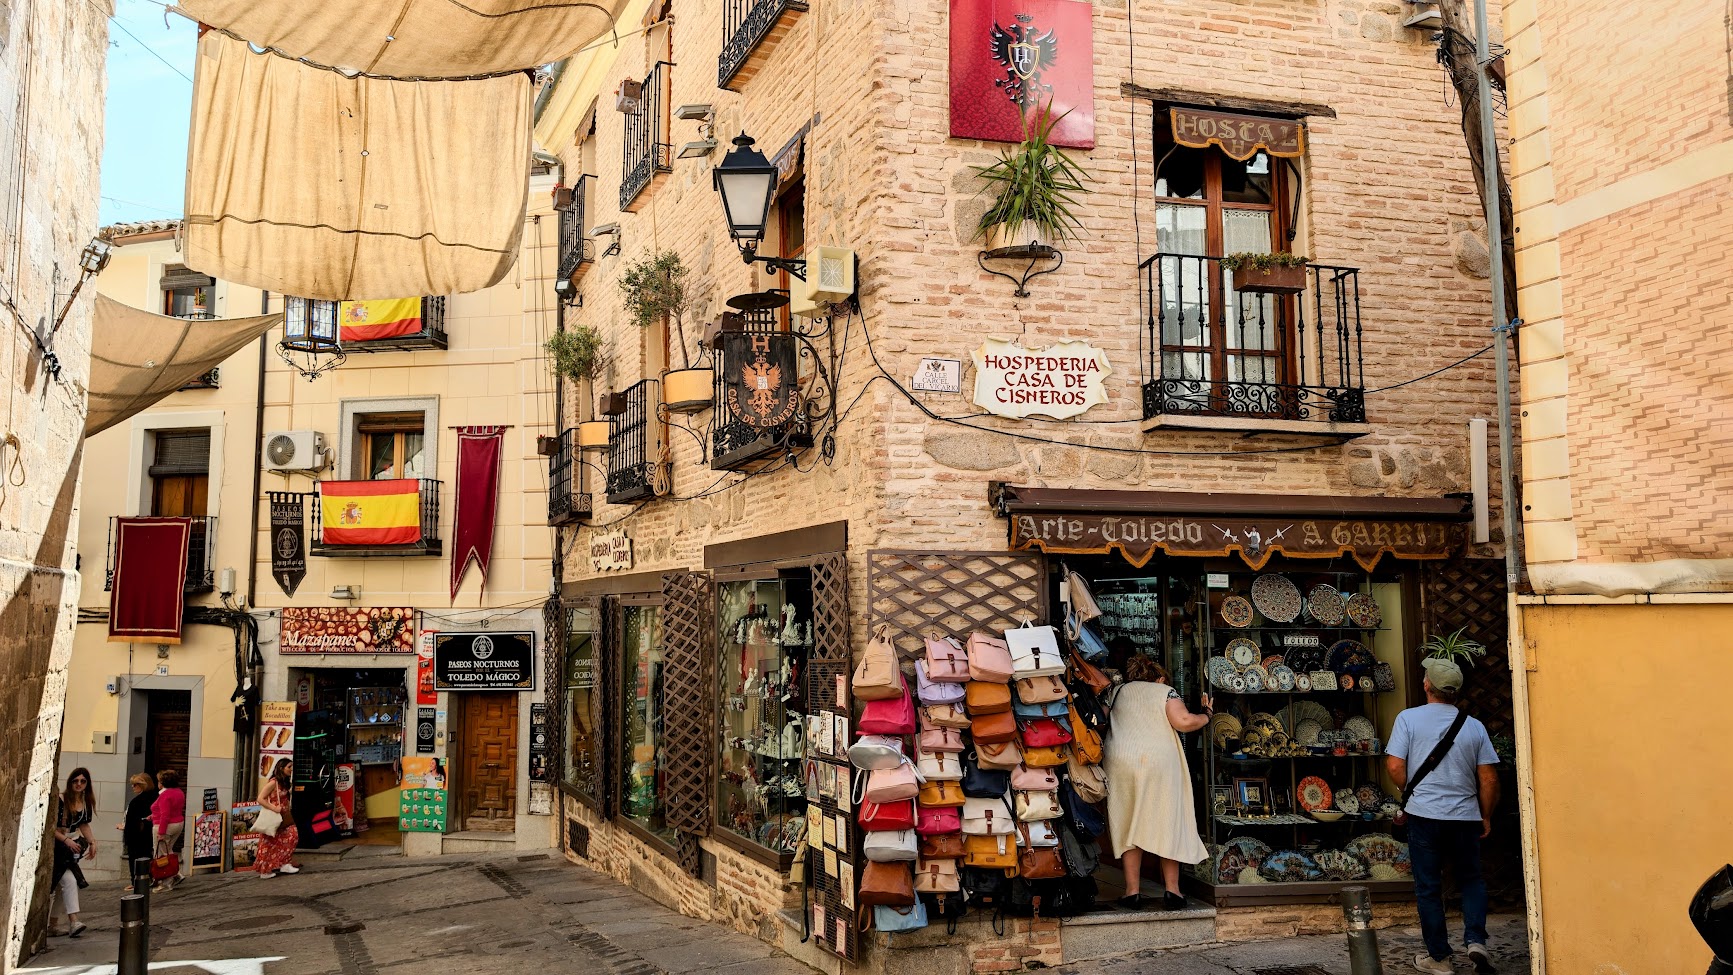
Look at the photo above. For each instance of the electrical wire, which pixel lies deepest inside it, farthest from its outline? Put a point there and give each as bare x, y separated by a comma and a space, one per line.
152, 50
1453, 365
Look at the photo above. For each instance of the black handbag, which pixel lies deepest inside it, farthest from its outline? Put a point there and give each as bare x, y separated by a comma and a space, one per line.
1084, 818
983, 783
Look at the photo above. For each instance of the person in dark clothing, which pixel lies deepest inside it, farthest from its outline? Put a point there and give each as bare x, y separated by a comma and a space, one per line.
137, 830
72, 843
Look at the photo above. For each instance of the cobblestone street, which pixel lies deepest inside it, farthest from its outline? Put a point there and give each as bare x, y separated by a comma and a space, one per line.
490, 915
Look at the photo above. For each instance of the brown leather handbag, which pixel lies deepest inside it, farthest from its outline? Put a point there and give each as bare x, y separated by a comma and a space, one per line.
1001, 755
1089, 674
991, 852
936, 877
947, 846
945, 716
890, 884
992, 728
1044, 757
947, 793
1038, 862
984, 698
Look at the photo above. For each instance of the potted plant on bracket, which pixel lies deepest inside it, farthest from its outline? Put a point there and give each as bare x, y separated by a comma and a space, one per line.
1278, 273
1035, 187
655, 289
578, 354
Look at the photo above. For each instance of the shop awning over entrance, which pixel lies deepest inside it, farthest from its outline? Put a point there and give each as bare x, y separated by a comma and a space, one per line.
1137, 524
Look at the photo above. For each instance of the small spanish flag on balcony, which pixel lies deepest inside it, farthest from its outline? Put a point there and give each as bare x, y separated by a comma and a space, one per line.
386, 318
370, 512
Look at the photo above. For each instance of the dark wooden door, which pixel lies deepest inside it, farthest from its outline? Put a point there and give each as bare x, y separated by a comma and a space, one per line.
488, 776
168, 732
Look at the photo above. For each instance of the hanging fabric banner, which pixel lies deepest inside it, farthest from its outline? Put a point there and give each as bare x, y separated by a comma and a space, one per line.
288, 539
478, 453
1240, 136
382, 318
370, 512
147, 599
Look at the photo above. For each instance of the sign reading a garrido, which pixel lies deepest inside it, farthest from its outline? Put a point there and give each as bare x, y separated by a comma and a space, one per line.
1138, 537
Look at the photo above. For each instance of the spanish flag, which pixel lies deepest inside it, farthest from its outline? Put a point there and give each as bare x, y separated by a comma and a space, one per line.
370, 512
386, 318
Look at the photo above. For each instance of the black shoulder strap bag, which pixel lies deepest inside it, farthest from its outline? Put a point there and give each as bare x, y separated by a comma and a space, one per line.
1400, 827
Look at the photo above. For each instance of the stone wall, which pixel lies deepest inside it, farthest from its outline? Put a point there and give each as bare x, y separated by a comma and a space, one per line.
52, 69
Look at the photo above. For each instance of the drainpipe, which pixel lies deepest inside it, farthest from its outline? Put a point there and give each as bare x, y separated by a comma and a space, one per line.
1517, 649
246, 741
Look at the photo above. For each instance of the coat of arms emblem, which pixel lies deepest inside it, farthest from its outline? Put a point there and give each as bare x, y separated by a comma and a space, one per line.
1024, 52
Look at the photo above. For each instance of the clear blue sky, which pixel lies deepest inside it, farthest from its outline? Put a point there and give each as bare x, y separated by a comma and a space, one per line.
144, 149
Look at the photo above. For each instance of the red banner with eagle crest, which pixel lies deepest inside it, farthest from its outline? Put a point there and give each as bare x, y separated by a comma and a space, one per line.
1012, 58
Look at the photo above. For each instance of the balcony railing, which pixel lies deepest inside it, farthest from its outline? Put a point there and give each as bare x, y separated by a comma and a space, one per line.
632, 445
576, 253
735, 443
201, 554
1213, 352
647, 152
428, 514
747, 24
431, 336
568, 502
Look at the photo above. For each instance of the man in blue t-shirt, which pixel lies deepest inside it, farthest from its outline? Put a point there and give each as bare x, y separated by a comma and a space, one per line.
1449, 813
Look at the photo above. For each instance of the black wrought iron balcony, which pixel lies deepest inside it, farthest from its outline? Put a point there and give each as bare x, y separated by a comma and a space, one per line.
734, 443
357, 534
646, 153
634, 445
430, 336
201, 554
576, 250
568, 502
746, 26
1216, 357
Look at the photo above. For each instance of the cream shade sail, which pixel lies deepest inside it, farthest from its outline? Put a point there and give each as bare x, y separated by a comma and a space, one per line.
415, 38
308, 183
137, 358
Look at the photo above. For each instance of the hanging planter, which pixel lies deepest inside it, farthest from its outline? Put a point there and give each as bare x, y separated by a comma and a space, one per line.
1035, 192
593, 435
628, 96
611, 404
547, 446
689, 390
1280, 273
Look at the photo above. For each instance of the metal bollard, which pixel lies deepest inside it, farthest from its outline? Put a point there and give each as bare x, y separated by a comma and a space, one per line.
141, 884
1362, 939
134, 936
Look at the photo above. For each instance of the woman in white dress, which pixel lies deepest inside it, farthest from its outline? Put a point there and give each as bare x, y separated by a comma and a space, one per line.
1149, 799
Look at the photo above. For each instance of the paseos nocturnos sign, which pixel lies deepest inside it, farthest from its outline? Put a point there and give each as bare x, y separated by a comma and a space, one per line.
490, 661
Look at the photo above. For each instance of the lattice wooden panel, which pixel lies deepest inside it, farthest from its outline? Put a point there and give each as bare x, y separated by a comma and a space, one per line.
830, 627
689, 704
553, 664
828, 699
608, 691
1458, 593
916, 593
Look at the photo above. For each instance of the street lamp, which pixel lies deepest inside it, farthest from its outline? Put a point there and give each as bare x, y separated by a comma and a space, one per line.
311, 343
747, 183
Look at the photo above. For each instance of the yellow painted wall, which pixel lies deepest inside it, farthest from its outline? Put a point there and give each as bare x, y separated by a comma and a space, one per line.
1632, 775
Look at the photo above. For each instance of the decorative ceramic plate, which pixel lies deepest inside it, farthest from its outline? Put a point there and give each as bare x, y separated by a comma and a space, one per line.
1276, 597
1217, 669
1312, 793
1254, 678
1304, 659
1290, 866
1272, 660
1346, 802
1361, 608
1348, 657
1389, 808
1370, 796
1347, 682
1341, 865
1268, 722
1302, 682
1262, 674
1325, 604
1283, 677
1366, 684
1223, 728
1237, 683
1242, 652
1360, 728
1307, 732
1237, 611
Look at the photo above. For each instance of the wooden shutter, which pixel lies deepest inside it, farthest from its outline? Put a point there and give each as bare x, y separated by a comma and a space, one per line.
553, 679
829, 664
689, 707
608, 703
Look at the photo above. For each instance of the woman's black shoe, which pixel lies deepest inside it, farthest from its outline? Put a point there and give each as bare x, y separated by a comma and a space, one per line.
1130, 902
1171, 901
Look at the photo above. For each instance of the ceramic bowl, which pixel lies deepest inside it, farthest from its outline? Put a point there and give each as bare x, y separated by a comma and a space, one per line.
1327, 815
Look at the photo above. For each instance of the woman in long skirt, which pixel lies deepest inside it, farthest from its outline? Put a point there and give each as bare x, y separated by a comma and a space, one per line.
275, 851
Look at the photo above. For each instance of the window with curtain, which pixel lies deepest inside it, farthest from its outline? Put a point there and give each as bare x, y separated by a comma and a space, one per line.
642, 760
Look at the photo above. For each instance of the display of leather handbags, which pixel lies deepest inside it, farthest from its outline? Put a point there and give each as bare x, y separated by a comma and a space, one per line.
1039, 690
888, 716
985, 698
1044, 733
944, 846
878, 676
947, 662
980, 782
1085, 742
935, 692
935, 794
878, 817
893, 919
870, 752
1026, 779
936, 876
941, 740
1090, 781
946, 716
938, 820
1040, 862
988, 817
1084, 640
891, 884
1089, 674
1038, 833
1034, 650
991, 728
999, 754
892, 784
997, 852
889, 846
1052, 709
940, 766
1031, 806
1052, 757
989, 659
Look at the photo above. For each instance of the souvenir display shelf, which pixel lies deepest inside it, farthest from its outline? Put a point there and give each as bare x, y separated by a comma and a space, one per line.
375, 725
1303, 735
765, 632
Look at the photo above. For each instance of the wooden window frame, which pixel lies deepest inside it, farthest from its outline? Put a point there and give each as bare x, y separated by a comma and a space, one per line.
397, 426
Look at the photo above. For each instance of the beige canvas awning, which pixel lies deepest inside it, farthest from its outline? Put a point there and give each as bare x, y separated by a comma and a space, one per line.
415, 38
308, 183
137, 358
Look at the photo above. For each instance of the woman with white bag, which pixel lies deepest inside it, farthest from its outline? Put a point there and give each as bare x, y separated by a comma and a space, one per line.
277, 833
1149, 807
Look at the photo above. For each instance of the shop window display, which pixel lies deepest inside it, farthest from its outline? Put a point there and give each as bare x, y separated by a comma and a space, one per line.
580, 703
642, 774
765, 635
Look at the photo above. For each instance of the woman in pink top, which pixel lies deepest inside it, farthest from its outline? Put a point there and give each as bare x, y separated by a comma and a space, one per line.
168, 814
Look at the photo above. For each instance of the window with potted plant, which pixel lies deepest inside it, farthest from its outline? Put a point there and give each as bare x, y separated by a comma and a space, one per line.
1278, 273
655, 291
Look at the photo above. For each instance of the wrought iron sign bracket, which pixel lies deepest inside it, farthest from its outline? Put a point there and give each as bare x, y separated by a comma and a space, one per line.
749, 254
1036, 253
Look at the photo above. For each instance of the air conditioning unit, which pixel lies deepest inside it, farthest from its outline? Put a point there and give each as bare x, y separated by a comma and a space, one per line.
295, 450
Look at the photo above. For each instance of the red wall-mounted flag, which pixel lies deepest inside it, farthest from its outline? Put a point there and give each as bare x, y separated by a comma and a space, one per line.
1012, 58
478, 454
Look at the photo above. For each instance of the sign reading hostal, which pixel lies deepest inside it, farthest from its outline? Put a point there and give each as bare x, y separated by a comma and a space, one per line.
1060, 381
484, 661
373, 629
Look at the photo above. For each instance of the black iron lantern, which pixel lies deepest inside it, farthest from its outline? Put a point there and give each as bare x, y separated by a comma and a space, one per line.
747, 182
311, 342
